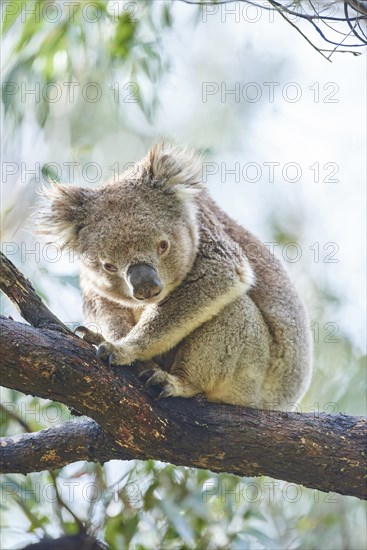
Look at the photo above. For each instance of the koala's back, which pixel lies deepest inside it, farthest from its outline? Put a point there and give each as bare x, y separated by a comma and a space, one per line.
282, 311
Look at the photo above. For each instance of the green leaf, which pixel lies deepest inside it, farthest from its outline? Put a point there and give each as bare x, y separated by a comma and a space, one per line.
71, 527
124, 33
167, 16
120, 530
35, 524
32, 25
178, 522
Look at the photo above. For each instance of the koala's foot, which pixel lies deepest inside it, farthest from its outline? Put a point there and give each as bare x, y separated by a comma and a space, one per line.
142, 368
114, 355
173, 386
90, 336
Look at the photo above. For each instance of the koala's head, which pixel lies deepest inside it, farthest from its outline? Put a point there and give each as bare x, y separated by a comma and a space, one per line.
137, 238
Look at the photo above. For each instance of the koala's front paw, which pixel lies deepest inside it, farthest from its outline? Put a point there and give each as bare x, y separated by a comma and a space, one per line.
113, 354
159, 377
90, 336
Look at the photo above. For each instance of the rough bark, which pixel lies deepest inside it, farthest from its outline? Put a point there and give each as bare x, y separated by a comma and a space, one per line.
54, 447
326, 452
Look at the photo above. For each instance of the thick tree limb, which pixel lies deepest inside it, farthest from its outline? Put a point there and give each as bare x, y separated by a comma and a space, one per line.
55, 447
81, 541
22, 294
326, 452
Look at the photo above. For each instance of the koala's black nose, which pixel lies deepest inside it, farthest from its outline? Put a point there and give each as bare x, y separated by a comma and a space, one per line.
144, 280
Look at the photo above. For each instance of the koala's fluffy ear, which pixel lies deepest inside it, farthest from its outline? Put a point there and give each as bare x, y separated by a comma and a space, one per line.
175, 168
64, 212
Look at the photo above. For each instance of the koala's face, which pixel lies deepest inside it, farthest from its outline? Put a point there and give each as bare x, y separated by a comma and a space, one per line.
138, 238
136, 245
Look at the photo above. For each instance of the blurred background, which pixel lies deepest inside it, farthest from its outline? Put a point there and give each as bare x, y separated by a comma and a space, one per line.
87, 87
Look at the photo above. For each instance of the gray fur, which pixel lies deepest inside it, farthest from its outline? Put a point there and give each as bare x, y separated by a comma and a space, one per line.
228, 324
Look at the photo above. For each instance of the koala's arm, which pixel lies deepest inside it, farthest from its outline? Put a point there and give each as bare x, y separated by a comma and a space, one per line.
215, 281
105, 317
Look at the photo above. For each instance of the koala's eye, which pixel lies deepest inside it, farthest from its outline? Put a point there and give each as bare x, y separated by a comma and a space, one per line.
110, 267
163, 246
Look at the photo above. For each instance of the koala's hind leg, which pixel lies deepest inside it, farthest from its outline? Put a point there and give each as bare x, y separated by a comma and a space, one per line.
196, 364
208, 361
207, 358
157, 372
172, 384
225, 359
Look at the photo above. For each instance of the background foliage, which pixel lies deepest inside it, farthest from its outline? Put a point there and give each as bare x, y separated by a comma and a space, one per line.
85, 92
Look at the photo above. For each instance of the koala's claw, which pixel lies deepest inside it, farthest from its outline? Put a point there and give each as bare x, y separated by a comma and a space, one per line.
89, 335
105, 352
147, 374
101, 352
166, 392
158, 377
155, 377
113, 355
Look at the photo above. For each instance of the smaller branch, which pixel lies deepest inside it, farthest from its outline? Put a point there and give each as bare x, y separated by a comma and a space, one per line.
10, 414
29, 514
22, 294
317, 29
56, 447
301, 33
345, 37
300, 14
63, 504
353, 29
310, 18
307, 16
358, 6
362, 31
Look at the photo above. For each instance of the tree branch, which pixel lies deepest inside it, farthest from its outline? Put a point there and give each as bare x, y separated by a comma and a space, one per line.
22, 294
56, 447
326, 452
312, 14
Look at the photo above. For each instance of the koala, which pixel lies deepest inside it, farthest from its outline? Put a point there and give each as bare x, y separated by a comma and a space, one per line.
176, 285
